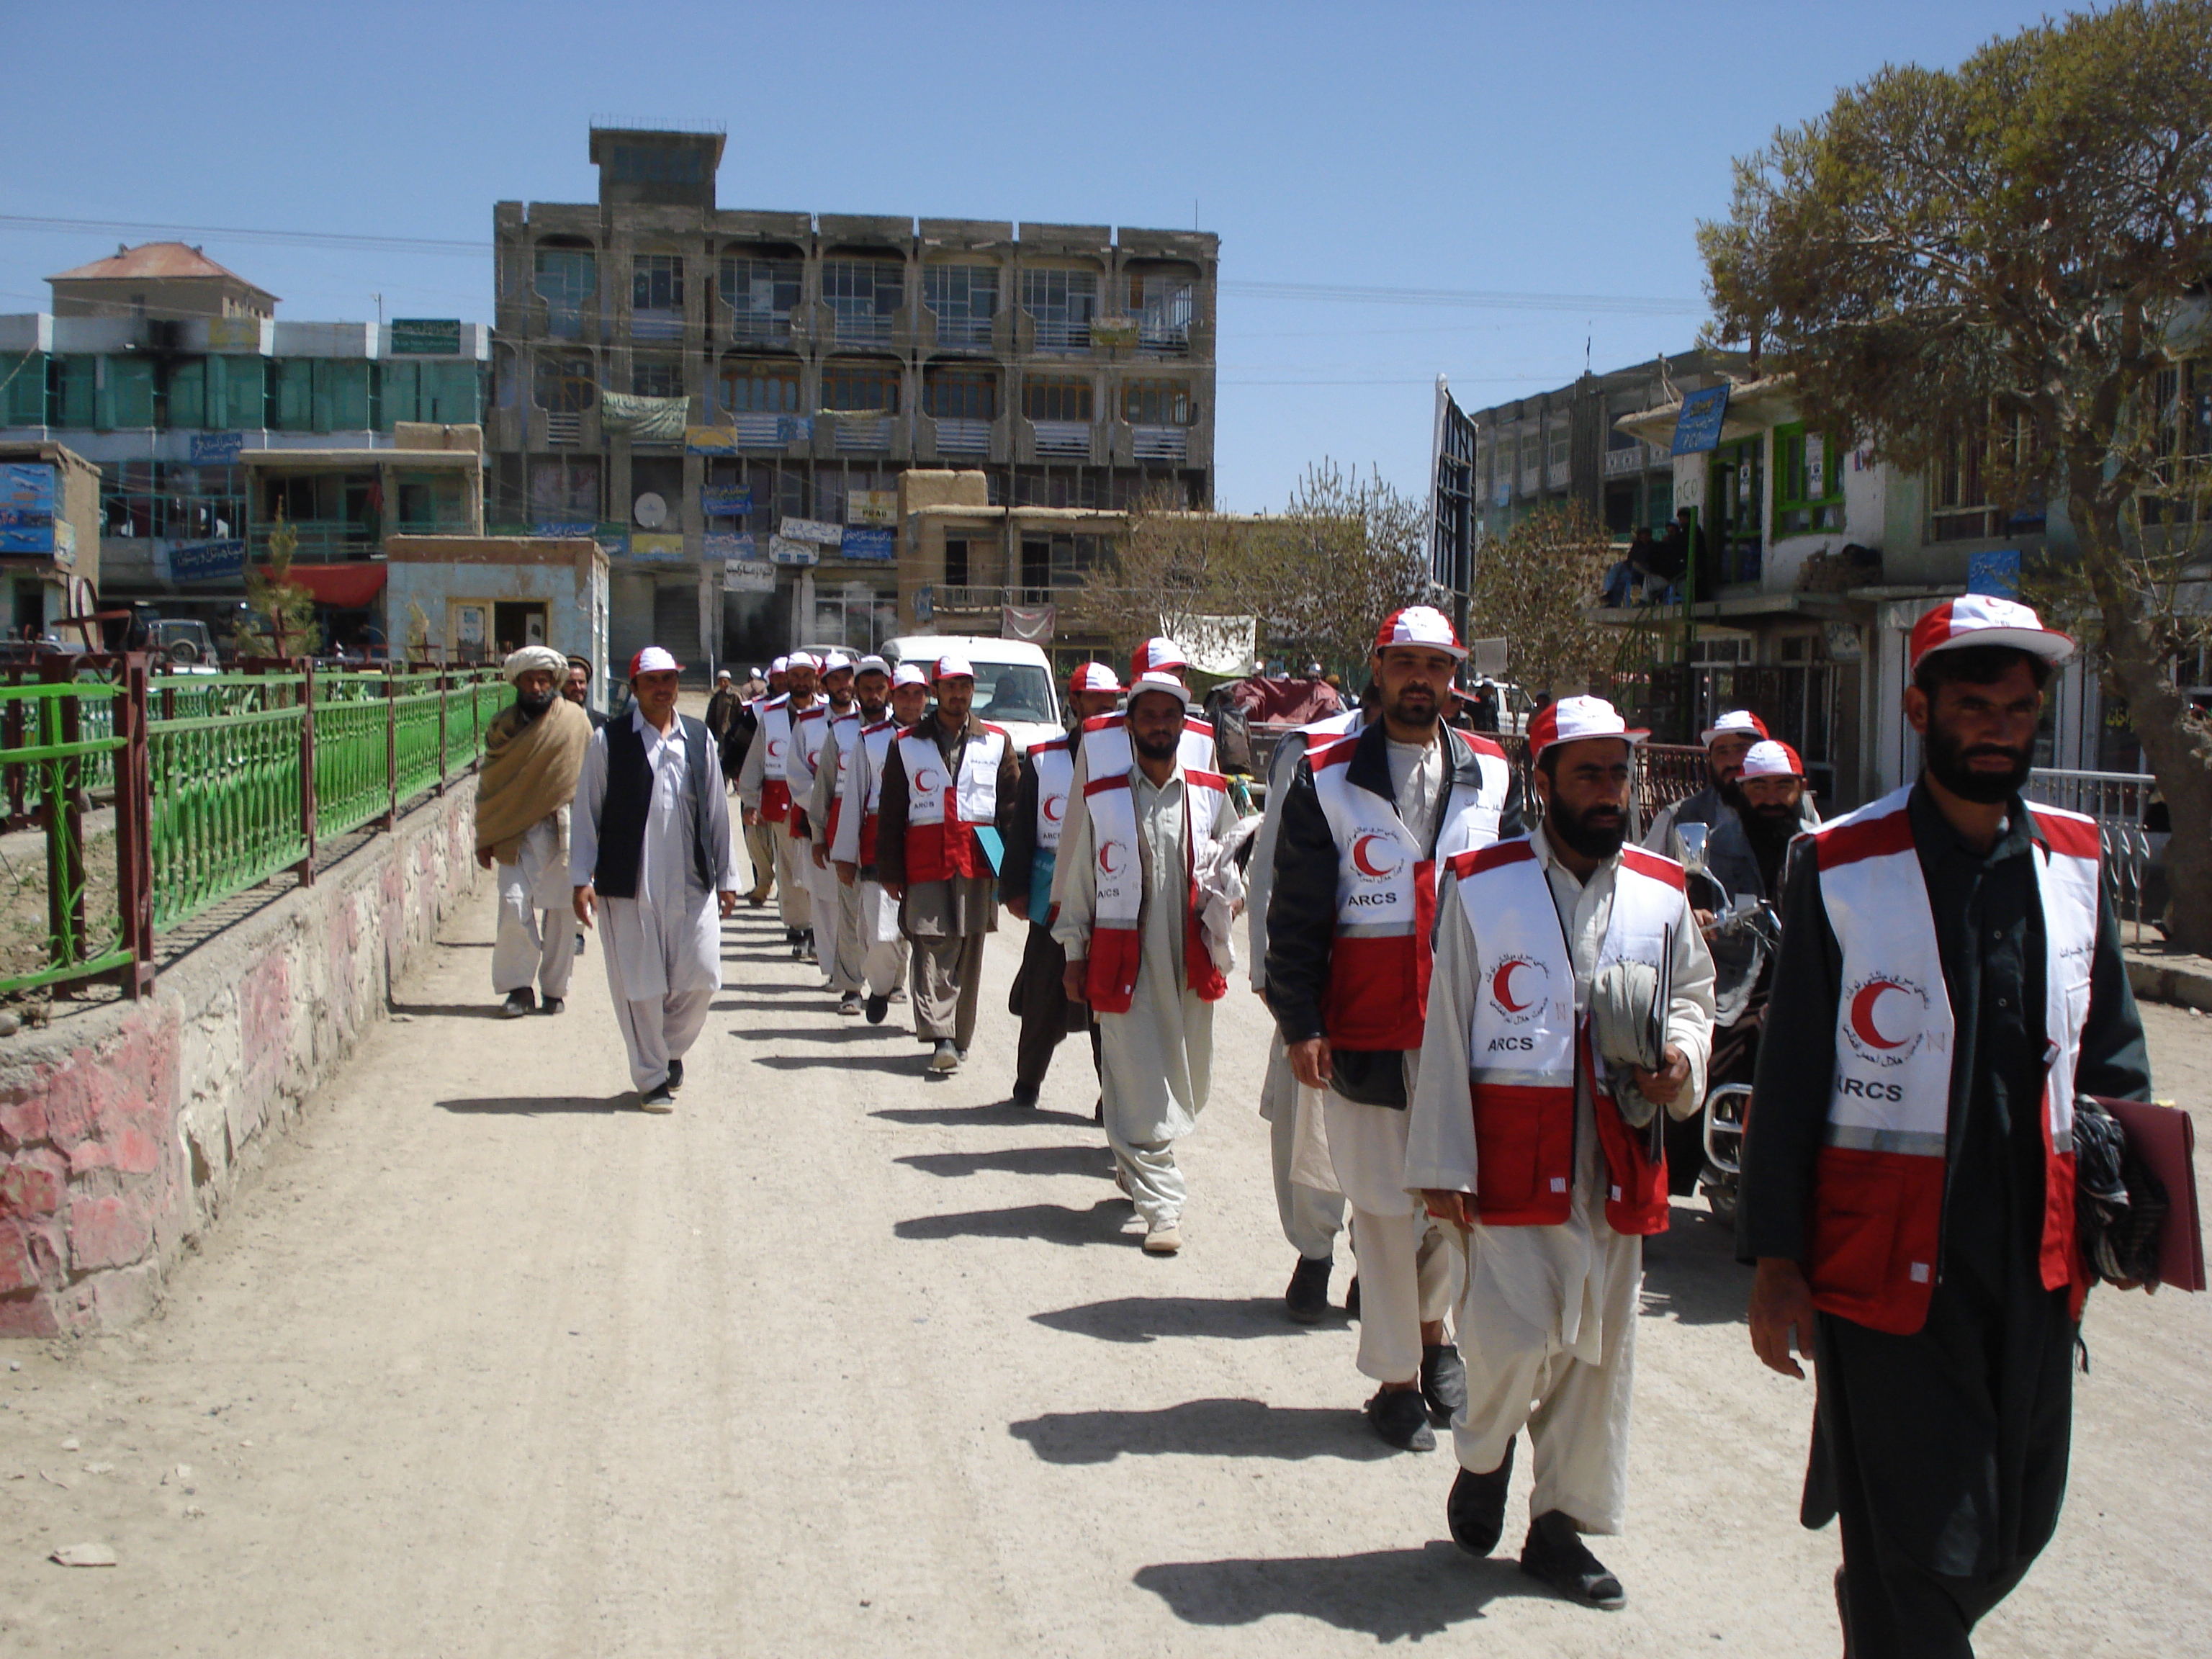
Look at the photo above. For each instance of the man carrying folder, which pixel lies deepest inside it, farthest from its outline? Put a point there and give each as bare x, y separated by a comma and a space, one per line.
948, 796
1950, 979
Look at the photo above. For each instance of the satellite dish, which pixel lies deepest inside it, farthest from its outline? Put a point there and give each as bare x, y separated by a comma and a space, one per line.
651, 511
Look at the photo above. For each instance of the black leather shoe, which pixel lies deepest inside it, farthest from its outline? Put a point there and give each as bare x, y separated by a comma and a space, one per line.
1306, 1299
1444, 1382
1475, 1511
675, 1074
1555, 1553
551, 1006
519, 1003
1025, 1094
1351, 1298
877, 1008
1401, 1417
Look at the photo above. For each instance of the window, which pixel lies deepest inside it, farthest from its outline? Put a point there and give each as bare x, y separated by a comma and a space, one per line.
1047, 399
1162, 306
566, 384
1959, 504
1558, 441
238, 393
567, 278
760, 294
960, 394
1532, 451
656, 164
23, 396
752, 388
863, 294
1062, 303
129, 392
657, 296
955, 562
431, 502
656, 376
452, 394
1735, 500
564, 489
964, 299
1808, 482
860, 388
1156, 403
2184, 398
186, 392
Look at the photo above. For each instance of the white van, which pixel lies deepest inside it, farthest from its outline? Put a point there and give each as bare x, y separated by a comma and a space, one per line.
1014, 686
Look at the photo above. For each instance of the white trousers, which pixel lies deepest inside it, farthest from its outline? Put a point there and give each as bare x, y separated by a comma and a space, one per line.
1407, 1271
527, 951
794, 871
1579, 1423
655, 1029
848, 966
1311, 1218
1148, 1168
884, 949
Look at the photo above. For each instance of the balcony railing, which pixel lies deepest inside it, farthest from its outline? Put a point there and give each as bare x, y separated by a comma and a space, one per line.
323, 540
1164, 339
1063, 334
863, 434
1064, 438
656, 324
1618, 463
956, 437
963, 333
756, 431
1162, 443
566, 428
760, 325
858, 327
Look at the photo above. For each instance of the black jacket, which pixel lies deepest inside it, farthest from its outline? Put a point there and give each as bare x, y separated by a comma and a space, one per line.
1302, 910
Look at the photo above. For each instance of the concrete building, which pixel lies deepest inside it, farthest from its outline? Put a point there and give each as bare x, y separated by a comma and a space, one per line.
49, 534
168, 372
728, 398
475, 598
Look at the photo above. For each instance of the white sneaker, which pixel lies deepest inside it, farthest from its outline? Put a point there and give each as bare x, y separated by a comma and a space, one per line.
1162, 1238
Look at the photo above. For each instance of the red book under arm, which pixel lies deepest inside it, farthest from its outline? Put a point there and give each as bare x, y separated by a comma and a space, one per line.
2166, 1139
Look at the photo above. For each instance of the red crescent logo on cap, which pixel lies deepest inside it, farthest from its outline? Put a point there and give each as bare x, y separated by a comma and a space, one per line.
1364, 860
1110, 857
1054, 807
1862, 1007
1501, 985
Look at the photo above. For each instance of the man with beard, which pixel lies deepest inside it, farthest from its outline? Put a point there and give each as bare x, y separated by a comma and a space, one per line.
809, 731
1367, 824
944, 780
1950, 982
576, 687
765, 790
1129, 922
651, 846
869, 681
533, 754
1727, 740
759, 834
1039, 997
1560, 954
853, 846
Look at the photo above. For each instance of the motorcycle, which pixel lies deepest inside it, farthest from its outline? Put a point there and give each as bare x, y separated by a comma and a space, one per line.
1745, 934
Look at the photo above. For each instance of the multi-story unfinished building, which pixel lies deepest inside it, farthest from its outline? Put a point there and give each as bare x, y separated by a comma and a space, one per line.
728, 396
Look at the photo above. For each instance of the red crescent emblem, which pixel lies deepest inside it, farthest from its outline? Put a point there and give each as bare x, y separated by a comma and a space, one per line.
1360, 858
923, 780
1107, 860
1055, 806
1501, 986
1862, 1006
775, 748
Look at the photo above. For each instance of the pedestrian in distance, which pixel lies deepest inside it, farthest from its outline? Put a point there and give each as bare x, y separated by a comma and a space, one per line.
1130, 923
1726, 742
576, 687
810, 731
759, 829
868, 706
764, 788
533, 756
854, 843
1950, 986
1570, 1004
949, 783
1367, 822
652, 849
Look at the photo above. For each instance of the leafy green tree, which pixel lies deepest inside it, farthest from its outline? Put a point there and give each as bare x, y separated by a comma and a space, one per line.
2007, 264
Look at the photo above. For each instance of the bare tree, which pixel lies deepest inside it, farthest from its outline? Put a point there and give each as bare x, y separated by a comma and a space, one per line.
1171, 563
1346, 553
1534, 587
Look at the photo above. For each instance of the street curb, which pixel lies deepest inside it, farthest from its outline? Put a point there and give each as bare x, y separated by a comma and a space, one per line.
2184, 982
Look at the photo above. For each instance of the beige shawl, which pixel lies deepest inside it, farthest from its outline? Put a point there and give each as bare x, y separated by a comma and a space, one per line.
530, 772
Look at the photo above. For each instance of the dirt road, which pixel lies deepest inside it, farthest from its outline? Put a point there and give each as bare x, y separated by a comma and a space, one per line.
838, 1361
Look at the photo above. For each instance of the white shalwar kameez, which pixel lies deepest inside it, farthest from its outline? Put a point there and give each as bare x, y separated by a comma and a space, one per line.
884, 948
534, 887
1156, 1062
1549, 1314
664, 947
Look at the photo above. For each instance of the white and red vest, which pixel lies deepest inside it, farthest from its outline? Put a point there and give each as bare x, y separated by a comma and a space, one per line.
1528, 1037
776, 732
1117, 945
1877, 1223
1386, 891
846, 728
1107, 753
1054, 765
807, 732
854, 841
943, 812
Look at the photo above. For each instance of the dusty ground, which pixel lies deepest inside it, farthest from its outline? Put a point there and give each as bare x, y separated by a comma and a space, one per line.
838, 1361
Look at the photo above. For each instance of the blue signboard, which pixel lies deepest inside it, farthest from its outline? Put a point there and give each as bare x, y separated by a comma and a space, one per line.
1996, 573
1698, 428
218, 448
553, 528
726, 501
726, 547
207, 561
871, 542
26, 506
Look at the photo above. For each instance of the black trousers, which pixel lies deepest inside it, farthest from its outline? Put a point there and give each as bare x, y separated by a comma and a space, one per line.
1944, 1455
1039, 1000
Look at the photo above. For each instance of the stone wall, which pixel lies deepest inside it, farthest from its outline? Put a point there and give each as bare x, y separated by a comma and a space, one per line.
124, 1130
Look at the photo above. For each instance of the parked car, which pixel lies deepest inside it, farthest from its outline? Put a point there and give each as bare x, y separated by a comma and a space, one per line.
1014, 686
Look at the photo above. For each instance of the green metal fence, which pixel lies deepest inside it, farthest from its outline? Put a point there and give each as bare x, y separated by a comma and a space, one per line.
226, 808
61, 735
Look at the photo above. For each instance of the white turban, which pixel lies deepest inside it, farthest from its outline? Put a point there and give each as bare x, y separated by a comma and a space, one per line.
533, 657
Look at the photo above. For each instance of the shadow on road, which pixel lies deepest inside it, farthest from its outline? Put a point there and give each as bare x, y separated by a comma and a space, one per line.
1017, 1160
1393, 1596
1206, 1428
999, 1111
1148, 1318
1049, 1223
841, 1032
452, 1011
542, 1106
1690, 1274
907, 1064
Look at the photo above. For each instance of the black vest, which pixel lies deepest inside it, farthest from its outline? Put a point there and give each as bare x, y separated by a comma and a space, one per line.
629, 796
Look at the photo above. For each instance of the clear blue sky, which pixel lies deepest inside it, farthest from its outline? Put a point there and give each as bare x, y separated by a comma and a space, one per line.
1555, 148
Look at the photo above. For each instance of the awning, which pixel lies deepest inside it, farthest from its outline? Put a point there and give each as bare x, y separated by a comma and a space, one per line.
340, 587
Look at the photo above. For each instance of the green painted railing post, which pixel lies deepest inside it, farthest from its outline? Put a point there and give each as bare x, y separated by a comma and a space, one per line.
445, 686
306, 864
65, 815
134, 867
391, 747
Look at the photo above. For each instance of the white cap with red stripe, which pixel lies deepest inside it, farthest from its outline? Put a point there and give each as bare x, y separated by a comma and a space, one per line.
835, 660
1572, 720
870, 664
1984, 619
1770, 758
653, 660
1422, 625
1092, 677
779, 665
803, 659
1159, 682
1155, 655
954, 668
1741, 721
909, 673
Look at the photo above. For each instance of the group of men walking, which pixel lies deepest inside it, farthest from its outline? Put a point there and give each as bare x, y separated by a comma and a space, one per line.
1490, 1006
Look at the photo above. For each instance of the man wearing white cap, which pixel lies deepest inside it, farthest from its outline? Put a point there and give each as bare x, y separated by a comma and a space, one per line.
759, 832
809, 731
652, 848
948, 798
1726, 741
869, 685
765, 787
1950, 985
1129, 922
1039, 996
1571, 1003
1367, 823
853, 846
533, 755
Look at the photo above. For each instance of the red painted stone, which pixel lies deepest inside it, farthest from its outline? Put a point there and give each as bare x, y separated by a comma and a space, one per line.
22, 1121
71, 1112
29, 1314
126, 1148
108, 1232
31, 1184
17, 1270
